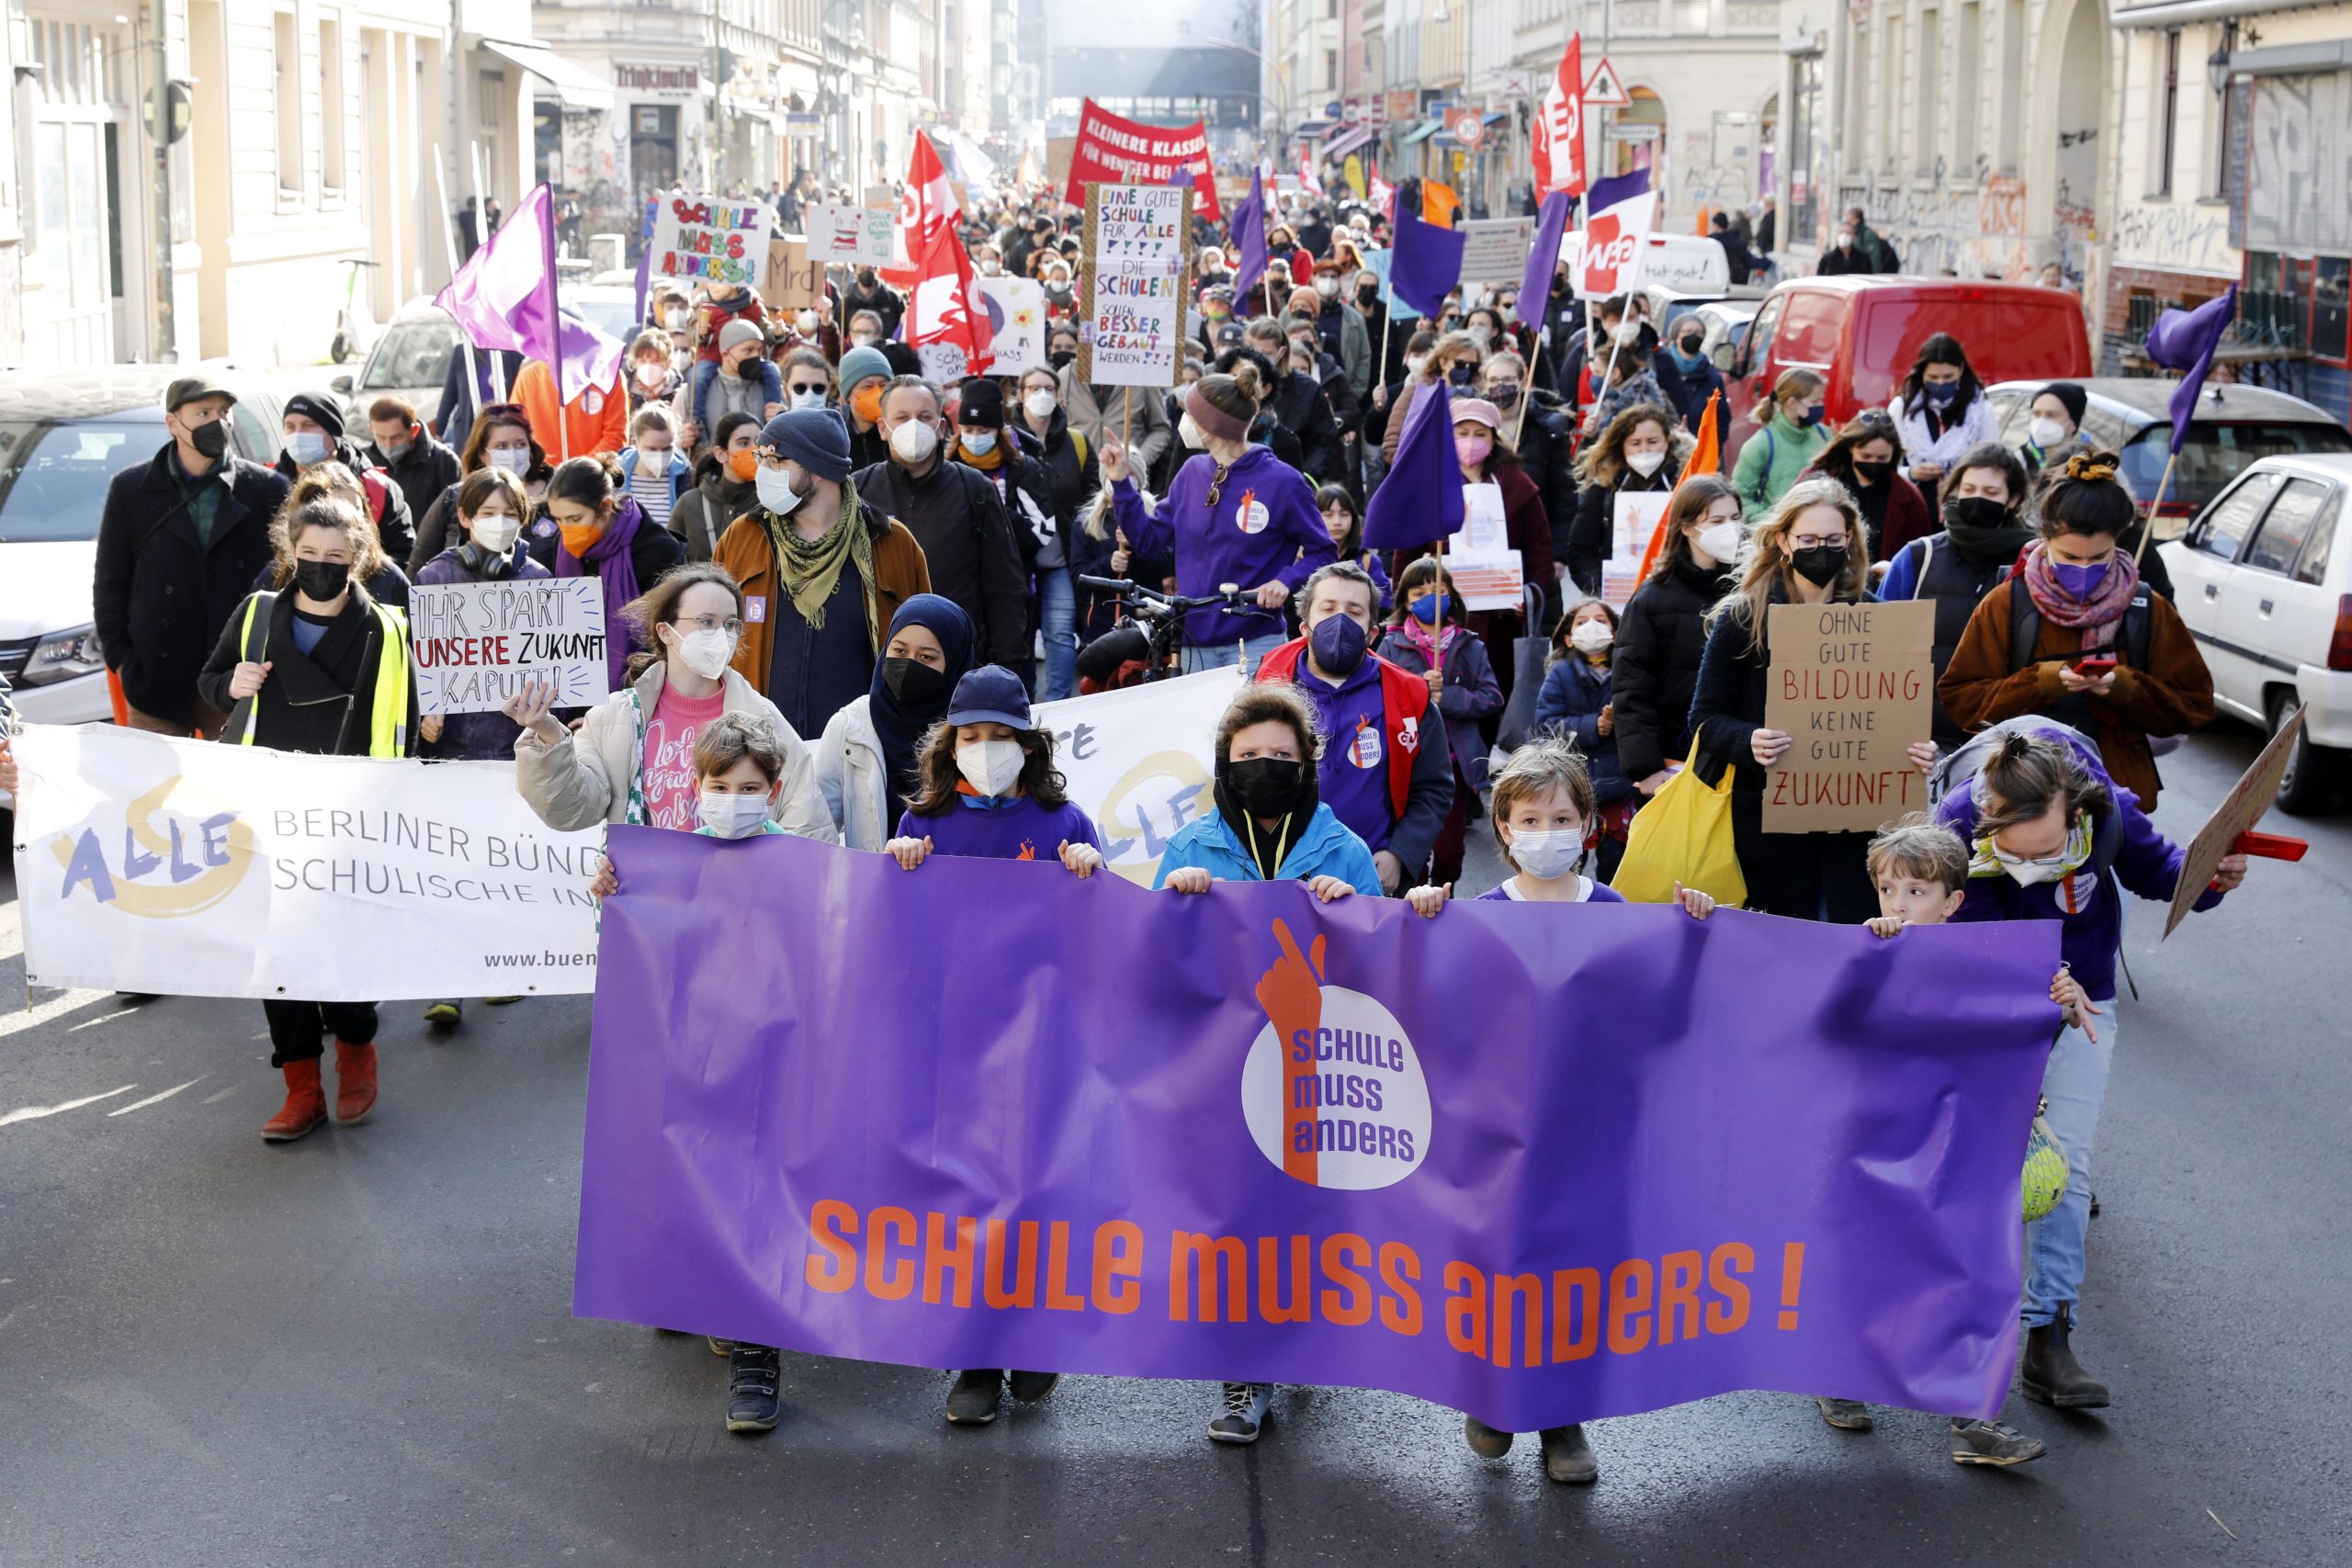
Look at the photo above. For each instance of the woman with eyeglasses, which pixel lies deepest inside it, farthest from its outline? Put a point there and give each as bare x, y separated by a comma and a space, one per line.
1810, 550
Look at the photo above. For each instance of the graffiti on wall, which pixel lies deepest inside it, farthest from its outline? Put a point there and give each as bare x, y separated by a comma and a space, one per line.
2299, 164
1940, 231
2176, 236
2073, 214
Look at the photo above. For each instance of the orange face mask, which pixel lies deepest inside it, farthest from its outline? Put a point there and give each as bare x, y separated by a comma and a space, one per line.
579, 539
867, 403
744, 465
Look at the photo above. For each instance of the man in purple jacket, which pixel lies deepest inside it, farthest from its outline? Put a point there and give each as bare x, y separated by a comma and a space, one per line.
2045, 826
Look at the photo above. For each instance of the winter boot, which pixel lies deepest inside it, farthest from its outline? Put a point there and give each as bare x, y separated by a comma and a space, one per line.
355, 1082
1568, 1457
2051, 1373
305, 1104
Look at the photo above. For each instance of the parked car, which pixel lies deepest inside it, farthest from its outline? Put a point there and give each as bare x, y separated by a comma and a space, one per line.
410, 359
1862, 331
2268, 597
610, 307
63, 436
2131, 415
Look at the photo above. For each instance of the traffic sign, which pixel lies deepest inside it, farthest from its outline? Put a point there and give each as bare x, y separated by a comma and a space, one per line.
1467, 127
1603, 90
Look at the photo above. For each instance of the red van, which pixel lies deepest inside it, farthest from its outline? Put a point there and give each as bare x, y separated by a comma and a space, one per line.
1862, 331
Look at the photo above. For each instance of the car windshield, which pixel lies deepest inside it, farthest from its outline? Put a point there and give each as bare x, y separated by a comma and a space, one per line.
411, 354
613, 318
2217, 453
53, 474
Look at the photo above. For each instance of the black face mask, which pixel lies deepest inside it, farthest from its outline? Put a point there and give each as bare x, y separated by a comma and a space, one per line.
1264, 787
1460, 375
749, 369
1559, 287
322, 580
1061, 357
1979, 512
1819, 564
1873, 473
211, 439
913, 682
1366, 293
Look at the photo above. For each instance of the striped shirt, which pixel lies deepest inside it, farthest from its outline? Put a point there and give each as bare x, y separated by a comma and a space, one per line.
649, 487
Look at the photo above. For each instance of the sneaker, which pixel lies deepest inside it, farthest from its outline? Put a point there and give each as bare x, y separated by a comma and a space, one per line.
1568, 1457
1031, 1387
446, 1015
1845, 1415
1484, 1441
1989, 1442
1244, 1413
972, 1401
754, 1376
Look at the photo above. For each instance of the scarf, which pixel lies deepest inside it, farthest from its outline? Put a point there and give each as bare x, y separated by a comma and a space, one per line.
1260, 843
900, 727
1434, 646
2001, 544
811, 568
2096, 617
616, 565
989, 463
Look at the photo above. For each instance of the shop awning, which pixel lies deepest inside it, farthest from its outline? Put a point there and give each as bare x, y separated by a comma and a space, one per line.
1420, 132
579, 88
1309, 130
1348, 139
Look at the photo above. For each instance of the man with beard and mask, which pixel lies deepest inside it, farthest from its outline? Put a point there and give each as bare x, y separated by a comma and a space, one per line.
870, 293
408, 454
1298, 402
180, 541
314, 434
1386, 772
955, 514
1973, 554
742, 380
823, 571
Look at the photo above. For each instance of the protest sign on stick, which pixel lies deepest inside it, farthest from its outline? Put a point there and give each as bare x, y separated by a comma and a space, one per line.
1633, 525
1851, 685
1139, 250
843, 235
709, 238
1494, 249
478, 644
2254, 794
792, 279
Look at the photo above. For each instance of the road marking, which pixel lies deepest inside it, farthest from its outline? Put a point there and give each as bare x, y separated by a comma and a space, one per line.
34, 1112
155, 1098
102, 1018
55, 1008
217, 1099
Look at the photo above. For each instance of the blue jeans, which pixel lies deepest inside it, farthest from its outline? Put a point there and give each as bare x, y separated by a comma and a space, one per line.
2076, 1084
1058, 617
1223, 655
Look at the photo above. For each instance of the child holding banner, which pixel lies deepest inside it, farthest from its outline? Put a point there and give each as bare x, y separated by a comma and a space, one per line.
1427, 636
989, 788
1576, 704
318, 666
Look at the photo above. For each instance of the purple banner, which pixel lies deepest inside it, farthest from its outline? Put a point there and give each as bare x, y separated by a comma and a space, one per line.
1540, 1163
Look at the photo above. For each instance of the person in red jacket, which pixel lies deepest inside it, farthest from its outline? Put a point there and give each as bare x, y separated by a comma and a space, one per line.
1862, 459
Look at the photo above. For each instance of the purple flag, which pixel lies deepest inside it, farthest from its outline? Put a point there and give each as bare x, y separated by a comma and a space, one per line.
1420, 500
2185, 341
1428, 262
1535, 284
1248, 230
504, 297
1541, 1163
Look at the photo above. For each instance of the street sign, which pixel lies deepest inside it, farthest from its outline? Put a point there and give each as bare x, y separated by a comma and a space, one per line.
1635, 133
1467, 127
1520, 86
1603, 90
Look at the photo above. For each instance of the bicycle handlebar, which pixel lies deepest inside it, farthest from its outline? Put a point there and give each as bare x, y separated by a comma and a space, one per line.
1230, 597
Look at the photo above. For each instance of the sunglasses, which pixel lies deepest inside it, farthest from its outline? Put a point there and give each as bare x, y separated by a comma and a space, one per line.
800, 387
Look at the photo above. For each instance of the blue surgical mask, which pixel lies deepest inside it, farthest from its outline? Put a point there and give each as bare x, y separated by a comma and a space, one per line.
309, 446
1941, 394
1428, 609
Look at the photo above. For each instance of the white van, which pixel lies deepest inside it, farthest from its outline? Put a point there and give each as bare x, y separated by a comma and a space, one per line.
1681, 263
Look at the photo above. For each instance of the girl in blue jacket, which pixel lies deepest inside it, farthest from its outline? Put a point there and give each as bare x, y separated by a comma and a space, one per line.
1576, 703
1426, 636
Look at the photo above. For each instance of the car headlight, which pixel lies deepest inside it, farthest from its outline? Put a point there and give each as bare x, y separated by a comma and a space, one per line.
62, 656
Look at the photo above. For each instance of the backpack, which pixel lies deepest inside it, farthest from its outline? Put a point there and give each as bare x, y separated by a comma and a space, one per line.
1958, 770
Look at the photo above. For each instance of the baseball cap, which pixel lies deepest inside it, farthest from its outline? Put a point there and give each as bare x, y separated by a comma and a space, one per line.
990, 694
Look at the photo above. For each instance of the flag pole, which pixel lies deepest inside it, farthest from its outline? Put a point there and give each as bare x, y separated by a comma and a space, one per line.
449, 245
2148, 528
481, 220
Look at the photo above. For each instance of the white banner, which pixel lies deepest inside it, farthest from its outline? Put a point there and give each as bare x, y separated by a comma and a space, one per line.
1142, 761
478, 643
841, 235
1015, 308
1494, 250
145, 862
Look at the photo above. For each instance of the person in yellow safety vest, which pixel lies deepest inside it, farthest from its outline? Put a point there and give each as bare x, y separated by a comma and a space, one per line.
323, 668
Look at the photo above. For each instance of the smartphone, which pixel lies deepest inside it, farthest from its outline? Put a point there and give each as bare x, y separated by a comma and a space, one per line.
2095, 667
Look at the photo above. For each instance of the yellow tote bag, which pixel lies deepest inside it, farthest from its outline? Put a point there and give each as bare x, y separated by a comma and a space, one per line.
1682, 835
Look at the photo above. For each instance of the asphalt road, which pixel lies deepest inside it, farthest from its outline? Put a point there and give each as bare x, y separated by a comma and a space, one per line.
358, 1348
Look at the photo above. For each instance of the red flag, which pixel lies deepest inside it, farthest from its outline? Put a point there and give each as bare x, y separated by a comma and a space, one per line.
940, 309
925, 208
1384, 195
1706, 458
1559, 128
1309, 179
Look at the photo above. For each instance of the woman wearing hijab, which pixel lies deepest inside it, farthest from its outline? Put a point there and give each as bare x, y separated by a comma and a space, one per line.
591, 528
865, 762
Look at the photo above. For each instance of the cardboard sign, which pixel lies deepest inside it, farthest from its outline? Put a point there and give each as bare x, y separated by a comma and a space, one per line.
1487, 572
1637, 516
2252, 795
1495, 249
477, 644
1139, 250
841, 235
708, 237
1852, 686
792, 279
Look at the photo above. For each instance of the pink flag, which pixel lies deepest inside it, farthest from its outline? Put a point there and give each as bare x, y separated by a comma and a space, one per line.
504, 297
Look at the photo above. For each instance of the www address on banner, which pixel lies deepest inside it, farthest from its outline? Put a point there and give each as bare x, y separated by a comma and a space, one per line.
544, 959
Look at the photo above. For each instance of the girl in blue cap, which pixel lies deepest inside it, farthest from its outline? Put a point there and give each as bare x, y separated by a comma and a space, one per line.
987, 787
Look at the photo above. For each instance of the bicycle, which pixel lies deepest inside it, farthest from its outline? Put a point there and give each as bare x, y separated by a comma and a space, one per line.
352, 326
1151, 624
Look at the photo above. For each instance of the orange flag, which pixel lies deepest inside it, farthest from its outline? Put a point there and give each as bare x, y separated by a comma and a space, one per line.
1706, 458
1439, 201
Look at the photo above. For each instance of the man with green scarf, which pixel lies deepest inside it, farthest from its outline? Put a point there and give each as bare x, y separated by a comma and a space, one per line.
822, 573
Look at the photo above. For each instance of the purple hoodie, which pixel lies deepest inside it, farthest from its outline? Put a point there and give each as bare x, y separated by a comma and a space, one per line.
1227, 545
2146, 861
